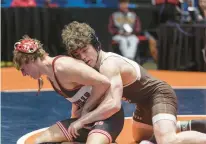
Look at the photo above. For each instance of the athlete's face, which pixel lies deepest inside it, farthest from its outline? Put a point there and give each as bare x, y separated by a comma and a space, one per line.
123, 6
87, 54
31, 70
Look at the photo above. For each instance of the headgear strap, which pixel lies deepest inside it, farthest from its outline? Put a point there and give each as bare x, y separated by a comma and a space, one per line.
26, 46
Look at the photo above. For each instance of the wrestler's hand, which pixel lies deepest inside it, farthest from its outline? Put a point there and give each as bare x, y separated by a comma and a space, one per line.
74, 127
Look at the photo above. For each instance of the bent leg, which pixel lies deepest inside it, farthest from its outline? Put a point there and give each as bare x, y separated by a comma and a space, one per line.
195, 125
141, 131
58, 133
142, 122
99, 138
165, 133
52, 134
191, 125
164, 113
106, 131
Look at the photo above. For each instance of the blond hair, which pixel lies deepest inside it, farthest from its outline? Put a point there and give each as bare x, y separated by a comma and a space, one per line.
21, 58
77, 35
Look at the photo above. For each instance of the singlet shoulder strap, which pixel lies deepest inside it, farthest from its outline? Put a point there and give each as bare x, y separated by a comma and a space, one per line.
53, 64
135, 65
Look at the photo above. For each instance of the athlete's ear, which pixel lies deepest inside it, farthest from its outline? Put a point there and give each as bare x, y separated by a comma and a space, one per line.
69, 54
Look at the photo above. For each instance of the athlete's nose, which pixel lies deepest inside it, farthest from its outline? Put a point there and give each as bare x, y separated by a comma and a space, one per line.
23, 72
83, 57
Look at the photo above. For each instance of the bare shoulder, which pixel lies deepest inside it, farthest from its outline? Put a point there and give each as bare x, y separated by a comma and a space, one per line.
109, 62
110, 65
65, 63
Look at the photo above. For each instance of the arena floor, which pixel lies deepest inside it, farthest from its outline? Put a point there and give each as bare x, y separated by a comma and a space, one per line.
23, 111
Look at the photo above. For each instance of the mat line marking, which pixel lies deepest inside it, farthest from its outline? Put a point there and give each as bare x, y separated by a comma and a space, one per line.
22, 139
199, 116
50, 89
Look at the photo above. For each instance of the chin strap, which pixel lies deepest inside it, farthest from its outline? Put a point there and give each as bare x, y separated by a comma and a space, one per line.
40, 85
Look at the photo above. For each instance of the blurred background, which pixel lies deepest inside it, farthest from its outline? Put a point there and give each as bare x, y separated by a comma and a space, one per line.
158, 34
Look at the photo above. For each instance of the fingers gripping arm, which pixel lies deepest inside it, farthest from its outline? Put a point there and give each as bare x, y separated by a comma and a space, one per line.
112, 100
82, 74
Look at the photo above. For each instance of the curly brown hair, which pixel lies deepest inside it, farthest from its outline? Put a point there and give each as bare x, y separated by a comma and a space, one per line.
77, 35
21, 58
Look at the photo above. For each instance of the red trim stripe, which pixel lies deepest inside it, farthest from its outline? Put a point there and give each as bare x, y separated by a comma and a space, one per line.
102, 132
64, 131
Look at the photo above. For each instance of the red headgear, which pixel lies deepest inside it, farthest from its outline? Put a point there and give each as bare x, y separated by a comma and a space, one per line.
26, 46
29, 46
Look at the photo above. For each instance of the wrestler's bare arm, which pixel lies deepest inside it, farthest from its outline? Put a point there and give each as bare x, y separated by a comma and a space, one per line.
75, 112
72, 70
112, 101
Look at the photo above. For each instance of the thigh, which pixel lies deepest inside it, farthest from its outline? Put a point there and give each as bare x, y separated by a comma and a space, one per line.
51, 135
165, 131
142, 122
164, 105
141, 131
164, 113
143, 113
106, 131
64, 125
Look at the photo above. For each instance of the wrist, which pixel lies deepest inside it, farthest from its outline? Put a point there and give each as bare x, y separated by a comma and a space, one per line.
82, 121
84, 112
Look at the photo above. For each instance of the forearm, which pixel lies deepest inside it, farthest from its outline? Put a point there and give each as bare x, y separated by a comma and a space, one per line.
97, 94
102, 112
112, 99
109, 106
76, 111
76, 114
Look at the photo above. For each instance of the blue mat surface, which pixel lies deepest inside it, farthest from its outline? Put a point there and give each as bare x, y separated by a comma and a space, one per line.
23, 112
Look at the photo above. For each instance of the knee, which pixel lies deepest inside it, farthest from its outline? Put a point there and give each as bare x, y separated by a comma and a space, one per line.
97, 138
164, 135
46, 136
52, 134
166, 138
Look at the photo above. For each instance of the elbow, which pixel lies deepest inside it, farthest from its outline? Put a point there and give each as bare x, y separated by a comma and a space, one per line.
110, 110
106, 83
116, 107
